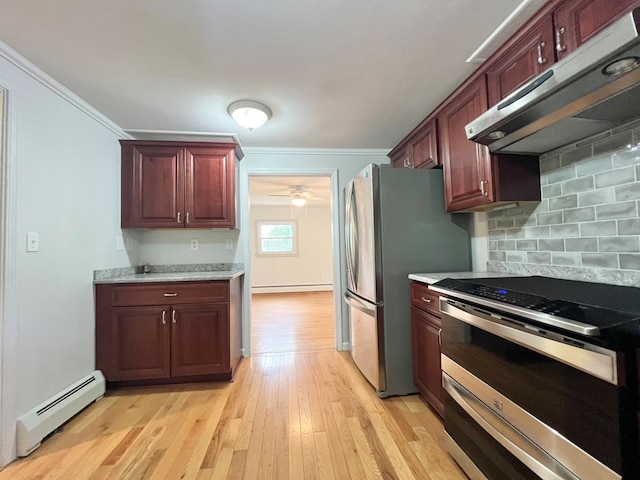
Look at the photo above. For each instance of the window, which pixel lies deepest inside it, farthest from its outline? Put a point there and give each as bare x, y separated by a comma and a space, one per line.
277, 238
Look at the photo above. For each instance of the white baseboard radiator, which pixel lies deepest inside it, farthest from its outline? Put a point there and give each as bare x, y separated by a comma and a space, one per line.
40, 421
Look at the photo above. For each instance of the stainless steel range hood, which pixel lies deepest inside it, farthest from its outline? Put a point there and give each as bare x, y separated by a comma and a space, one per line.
573, 99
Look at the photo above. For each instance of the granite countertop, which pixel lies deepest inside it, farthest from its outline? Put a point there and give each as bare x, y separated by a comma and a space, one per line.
169, 273
437, 276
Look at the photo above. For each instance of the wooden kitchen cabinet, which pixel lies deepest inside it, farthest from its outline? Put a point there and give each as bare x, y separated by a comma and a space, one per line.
177, 185
576, 21
169, 331
425, 338
529, 56
474, 178
420, 150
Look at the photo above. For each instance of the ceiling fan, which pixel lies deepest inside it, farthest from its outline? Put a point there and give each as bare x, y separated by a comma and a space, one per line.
298, 194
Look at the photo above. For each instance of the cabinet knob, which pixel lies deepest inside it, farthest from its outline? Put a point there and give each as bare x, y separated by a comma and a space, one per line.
425, 299
170, 294
559, 46
541, 59
164, 317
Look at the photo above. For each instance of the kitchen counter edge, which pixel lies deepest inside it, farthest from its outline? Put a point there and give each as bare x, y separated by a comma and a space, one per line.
434, 277
173, 277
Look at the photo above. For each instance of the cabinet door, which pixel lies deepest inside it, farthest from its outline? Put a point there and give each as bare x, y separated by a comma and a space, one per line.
399, 159
466, 164
210, 201
529, 57
152, 187
576, 21
427, 373
200, 339
423, 147
140, 342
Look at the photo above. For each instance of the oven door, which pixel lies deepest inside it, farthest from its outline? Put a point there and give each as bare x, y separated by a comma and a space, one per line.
541, 403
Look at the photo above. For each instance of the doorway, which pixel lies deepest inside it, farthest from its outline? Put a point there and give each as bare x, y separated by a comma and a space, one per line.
280, 280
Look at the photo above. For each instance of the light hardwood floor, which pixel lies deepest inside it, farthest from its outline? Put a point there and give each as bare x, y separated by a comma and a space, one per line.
304, 414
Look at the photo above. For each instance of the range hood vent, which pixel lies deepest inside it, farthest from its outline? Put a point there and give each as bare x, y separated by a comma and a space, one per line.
575, 98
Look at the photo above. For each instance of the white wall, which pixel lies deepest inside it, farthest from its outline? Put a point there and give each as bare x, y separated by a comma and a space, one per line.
312, 266
65, 168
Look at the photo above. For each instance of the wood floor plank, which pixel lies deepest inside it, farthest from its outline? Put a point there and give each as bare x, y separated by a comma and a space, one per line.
304, 412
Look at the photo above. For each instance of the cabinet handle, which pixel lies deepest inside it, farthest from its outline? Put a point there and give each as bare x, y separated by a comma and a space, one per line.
541, 59
425, 299
164, 317
483, 184
170, 294
410, 161
559, 46
173, 316
178, 220
187, 217
440, 336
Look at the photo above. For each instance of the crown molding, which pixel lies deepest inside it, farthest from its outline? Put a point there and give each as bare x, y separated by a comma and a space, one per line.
317, 151
56, 87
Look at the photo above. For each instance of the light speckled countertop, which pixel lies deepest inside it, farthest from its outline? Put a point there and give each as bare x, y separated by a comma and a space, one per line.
170, 273
173, 277
437, 276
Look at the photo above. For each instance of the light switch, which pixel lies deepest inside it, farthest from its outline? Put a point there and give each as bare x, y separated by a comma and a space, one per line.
33, 242
119, 243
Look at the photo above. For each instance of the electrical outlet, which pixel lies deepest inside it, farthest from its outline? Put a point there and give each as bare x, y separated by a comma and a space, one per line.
195, 244
229, 244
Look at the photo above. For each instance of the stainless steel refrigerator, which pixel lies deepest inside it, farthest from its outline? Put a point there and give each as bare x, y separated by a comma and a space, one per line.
395, 224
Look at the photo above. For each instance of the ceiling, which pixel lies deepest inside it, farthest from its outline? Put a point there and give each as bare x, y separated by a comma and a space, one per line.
336, 73
276, 190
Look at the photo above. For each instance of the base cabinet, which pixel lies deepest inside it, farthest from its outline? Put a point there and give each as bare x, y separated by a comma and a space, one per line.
141, 336
425, 337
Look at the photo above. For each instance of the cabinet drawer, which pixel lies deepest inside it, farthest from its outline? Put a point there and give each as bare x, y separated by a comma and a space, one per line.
425, 299
170, 293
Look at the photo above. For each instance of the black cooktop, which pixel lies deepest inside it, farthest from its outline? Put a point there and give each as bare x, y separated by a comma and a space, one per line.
582, 307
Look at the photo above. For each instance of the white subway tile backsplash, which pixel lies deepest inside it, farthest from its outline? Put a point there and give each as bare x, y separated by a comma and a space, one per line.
581, 244
616, 210
587, 225
578, 185
619, 244
565, 231
551, 244
630, 261
629, 226
596, 197
630, 191
619, 176
600, 260
584, 214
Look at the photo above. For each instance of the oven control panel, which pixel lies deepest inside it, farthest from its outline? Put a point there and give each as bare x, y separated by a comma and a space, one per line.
586, 319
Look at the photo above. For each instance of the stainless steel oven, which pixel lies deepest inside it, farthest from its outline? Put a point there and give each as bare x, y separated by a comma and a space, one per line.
537, 386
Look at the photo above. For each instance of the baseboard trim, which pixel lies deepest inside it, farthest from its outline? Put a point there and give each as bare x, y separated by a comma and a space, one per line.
292, 289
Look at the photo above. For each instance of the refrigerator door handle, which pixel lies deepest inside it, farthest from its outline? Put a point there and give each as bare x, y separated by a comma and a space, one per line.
355, 302
351, 240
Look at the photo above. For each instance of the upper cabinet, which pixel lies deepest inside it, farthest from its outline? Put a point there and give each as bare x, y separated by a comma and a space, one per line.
178, 185
420, 150
474, 178
576, 21
528, 57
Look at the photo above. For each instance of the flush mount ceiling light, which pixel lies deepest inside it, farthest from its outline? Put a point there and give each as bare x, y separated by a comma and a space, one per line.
249, 114
621, 66
298, 200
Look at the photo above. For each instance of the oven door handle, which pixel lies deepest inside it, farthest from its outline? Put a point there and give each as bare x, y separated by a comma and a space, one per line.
540, 462
601, 364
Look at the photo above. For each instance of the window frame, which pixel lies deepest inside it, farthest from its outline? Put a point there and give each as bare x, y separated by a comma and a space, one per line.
294, 238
